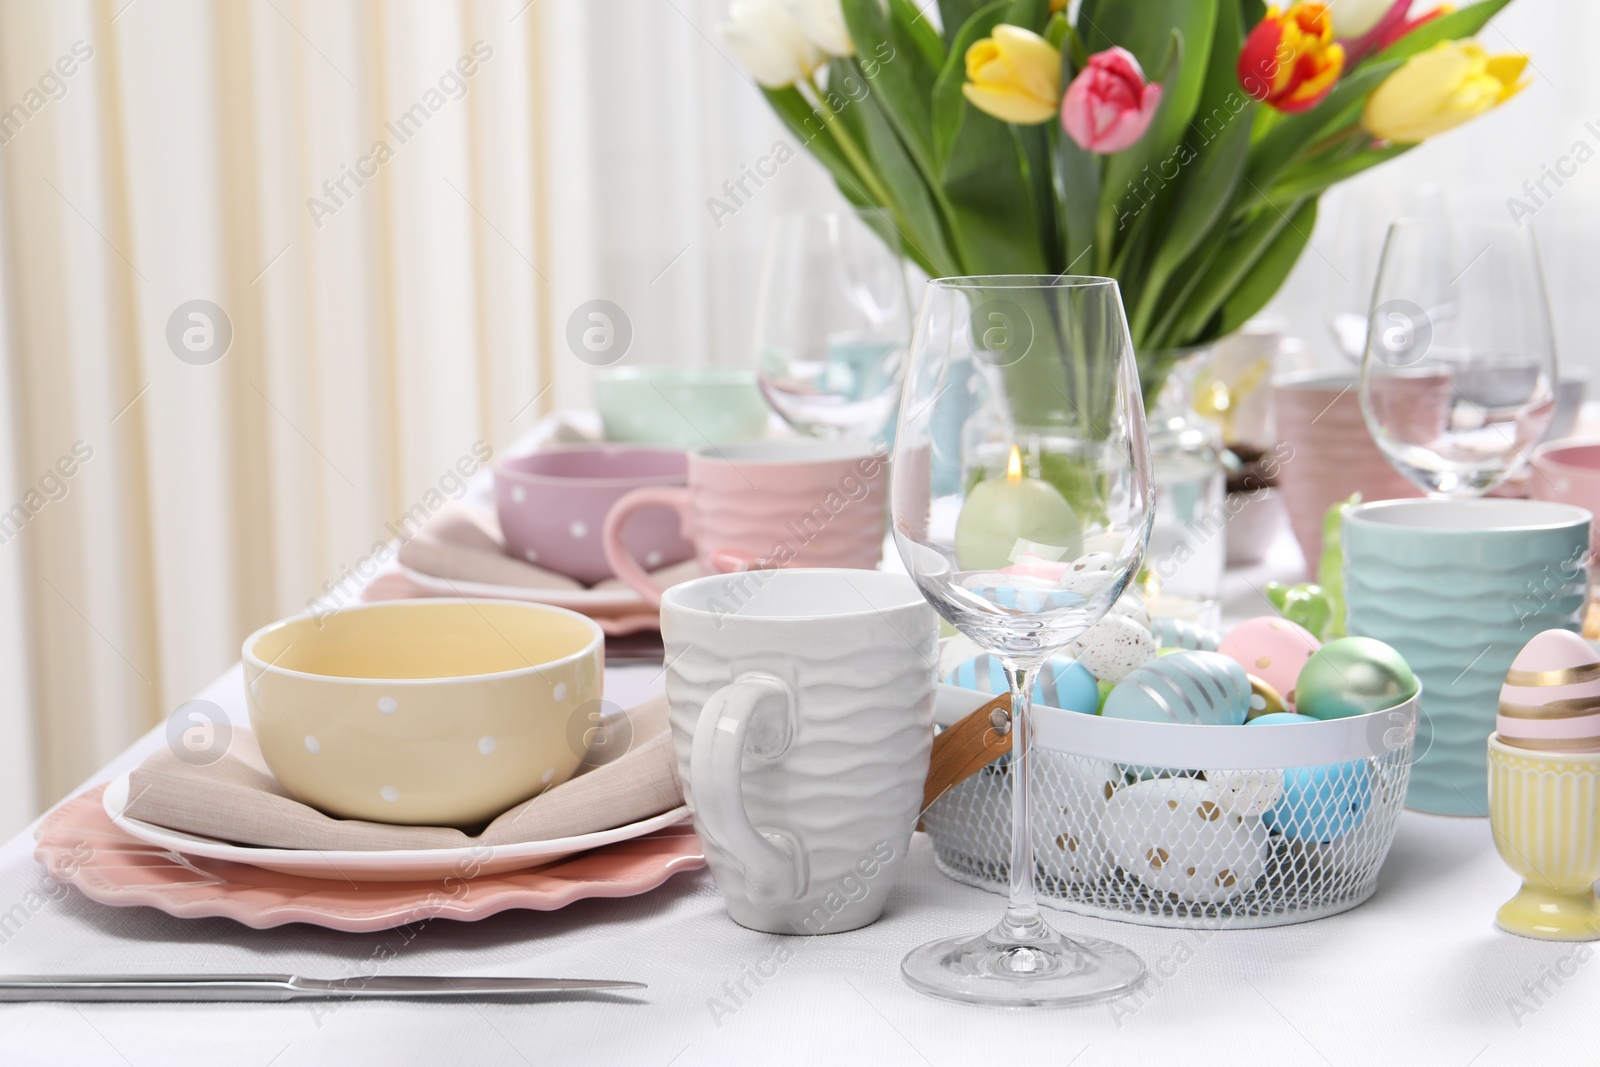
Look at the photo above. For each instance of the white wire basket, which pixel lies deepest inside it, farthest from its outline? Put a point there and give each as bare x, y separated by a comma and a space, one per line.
1189, 826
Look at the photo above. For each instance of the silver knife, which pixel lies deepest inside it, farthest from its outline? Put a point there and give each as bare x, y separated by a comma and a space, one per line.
278, 987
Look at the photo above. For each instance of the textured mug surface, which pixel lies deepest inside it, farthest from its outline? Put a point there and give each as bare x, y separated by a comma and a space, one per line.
1457, 587
831, 781
430, 712
1544, 809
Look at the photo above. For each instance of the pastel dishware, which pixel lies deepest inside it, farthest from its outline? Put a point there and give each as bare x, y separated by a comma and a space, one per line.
681, 407
1457, 587
1551, 699
1567, 471
765, 504
122, 871
553, 504
431, 712
1544, 809
801, 705
1331, 454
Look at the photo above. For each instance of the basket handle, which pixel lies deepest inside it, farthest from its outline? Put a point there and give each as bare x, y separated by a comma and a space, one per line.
962, 750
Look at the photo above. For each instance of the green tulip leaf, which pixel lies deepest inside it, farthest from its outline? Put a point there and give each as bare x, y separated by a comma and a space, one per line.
1452, 27
1269, 270
948, 101
920, 215
1292, 134
912, 27
954, 15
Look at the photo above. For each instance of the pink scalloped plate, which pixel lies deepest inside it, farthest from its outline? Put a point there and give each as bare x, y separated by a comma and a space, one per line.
79, 845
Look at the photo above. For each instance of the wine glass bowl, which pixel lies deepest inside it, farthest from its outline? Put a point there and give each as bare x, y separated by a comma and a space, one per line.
1459, 379
1021, 504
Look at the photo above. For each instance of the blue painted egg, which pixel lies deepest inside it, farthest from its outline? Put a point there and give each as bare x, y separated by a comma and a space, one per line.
1185, 687
1284, 718
1182, 633
1061, 682
1322, 803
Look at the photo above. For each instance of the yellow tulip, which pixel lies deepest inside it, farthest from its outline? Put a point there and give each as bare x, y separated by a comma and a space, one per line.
1440, 89
1014, 76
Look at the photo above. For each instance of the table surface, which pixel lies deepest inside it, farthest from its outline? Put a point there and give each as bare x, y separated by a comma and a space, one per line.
1419, 974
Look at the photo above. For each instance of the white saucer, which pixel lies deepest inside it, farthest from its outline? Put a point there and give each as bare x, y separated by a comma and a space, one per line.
398, 865
582, 600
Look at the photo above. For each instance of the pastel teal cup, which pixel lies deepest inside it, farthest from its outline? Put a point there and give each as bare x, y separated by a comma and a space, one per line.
1458, 587
681, 407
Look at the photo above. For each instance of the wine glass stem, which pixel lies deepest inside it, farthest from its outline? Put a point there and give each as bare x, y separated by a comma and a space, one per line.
1022, 921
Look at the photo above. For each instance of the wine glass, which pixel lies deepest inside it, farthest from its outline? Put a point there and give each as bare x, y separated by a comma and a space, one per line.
832, 322
1022, 530
1459, 378
1362, 216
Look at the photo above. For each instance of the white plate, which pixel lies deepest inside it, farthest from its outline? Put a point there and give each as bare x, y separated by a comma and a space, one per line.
581, 600
397, 865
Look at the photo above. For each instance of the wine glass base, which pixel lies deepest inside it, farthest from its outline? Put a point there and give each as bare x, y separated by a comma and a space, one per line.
1048, 972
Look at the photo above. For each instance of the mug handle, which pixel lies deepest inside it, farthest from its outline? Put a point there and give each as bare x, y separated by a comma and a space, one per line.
755, 713
620, 559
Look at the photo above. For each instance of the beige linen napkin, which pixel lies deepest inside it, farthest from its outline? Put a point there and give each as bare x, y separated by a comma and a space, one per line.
237, 799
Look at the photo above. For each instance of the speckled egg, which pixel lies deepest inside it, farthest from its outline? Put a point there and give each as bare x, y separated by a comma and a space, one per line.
1167, 833
1068, 842
1556, 666
1273, 649
1113, 647
1183, 633
1184, 687
1061, 683
1244, 792
1353, 676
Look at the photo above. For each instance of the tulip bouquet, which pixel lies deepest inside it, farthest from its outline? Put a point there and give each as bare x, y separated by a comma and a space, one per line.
1179, 146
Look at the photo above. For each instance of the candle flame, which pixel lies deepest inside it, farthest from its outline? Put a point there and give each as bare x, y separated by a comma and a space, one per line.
1014, 466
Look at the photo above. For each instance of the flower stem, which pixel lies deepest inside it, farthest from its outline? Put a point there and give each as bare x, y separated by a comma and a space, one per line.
848, 145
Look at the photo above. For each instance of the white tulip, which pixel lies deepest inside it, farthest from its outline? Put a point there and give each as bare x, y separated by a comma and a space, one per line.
769, 42
1355, 18
823, 22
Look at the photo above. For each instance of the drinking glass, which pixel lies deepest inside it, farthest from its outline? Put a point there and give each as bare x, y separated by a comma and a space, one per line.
1022, 529
1362, 216
832, 322
1459, 378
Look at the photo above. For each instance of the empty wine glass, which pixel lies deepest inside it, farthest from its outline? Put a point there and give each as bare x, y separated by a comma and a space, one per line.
832, 322
1459, 378
1022, 528
1362, 216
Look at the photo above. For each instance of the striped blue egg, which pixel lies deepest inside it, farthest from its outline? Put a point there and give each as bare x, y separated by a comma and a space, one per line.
1184, 687
1062, 682
1182, 633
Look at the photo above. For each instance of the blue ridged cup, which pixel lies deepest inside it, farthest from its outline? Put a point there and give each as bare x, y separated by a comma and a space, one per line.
1458, 587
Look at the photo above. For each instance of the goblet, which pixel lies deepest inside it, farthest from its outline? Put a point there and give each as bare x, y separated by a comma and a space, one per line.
1022, 530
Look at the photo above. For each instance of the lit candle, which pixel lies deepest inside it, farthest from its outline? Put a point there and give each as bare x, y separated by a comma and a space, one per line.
1004, 518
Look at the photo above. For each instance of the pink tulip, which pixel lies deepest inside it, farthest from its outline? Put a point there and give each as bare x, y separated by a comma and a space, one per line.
1109, 105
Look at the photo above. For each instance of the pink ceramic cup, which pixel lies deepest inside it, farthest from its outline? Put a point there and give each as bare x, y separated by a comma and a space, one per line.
553, 506
1567, 471
761, 504
1318, 415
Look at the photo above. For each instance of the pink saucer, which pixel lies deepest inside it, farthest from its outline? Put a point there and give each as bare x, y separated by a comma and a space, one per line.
79, 845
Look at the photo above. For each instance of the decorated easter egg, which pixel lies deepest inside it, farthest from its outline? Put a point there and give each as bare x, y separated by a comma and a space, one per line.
1280, 718
1060, 683
1167, 833
1114, 646
1244, 792
1272, 649
1068, 841
1264, 700
1551, 699
1182, 633
1353, 676
1322, 803
1185, 687
1023, 593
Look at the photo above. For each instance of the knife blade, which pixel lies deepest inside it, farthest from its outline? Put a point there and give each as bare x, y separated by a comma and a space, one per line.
275, 988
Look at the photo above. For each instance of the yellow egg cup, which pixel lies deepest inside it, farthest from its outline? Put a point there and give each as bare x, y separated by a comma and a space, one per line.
1544, 809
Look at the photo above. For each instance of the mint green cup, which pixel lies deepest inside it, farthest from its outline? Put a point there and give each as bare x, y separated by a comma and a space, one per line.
1458, 587
680, 407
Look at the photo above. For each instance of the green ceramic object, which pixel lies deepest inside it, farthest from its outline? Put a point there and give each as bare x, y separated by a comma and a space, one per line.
1306, 604
1330, 571
1353, 676
679, 407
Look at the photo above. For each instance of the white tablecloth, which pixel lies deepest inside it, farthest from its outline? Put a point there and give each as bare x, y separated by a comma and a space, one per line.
1417, 975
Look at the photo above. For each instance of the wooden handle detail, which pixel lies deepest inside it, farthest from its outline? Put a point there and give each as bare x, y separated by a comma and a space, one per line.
962, 750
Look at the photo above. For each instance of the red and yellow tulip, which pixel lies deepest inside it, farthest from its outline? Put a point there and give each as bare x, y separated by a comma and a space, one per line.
1291, 61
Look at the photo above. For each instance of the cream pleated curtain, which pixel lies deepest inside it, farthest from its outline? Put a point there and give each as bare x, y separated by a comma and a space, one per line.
389, 310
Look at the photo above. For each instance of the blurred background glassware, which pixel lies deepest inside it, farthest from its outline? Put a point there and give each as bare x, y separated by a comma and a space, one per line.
681, 407
1463, 304
1361, 216
833, 320
1188, 549
1022, 538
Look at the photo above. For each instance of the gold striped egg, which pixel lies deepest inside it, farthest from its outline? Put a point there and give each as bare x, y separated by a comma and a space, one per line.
1551, 699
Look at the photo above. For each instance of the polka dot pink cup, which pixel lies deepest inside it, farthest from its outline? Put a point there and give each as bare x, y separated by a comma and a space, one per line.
553, 504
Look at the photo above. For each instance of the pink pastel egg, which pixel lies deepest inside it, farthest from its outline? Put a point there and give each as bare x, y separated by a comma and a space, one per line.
1551, 699
1273, 649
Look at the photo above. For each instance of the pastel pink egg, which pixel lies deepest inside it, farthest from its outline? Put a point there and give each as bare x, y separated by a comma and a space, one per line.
1273, 649
1551, 699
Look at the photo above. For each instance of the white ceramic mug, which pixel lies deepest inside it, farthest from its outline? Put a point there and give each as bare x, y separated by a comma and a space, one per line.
802, 713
